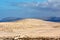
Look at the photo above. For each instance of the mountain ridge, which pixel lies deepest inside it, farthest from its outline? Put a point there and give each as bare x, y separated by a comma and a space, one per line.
12, 19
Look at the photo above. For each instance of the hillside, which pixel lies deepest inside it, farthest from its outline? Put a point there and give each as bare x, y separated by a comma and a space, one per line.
30, 28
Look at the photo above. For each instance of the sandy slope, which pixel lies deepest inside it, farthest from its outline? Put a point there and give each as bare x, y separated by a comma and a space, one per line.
30, 28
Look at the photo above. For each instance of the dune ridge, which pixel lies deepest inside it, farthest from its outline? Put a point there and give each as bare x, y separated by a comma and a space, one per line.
30, 28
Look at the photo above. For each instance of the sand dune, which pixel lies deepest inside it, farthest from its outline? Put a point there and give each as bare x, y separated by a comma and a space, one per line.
30, 28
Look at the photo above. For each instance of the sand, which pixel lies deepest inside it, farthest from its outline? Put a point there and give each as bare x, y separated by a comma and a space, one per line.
30, 27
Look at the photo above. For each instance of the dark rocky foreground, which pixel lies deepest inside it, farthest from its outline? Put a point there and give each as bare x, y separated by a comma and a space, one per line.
40, 38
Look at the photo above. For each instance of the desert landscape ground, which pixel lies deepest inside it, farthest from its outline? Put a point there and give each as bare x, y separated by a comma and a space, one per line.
30, 28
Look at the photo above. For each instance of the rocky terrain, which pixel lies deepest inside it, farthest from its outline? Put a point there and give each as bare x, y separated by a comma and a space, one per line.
30, 27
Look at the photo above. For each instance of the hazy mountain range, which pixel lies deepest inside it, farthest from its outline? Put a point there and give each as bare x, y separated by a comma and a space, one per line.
10, 19
53, 19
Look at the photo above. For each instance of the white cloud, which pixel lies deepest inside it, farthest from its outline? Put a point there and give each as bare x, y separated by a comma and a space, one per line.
54, 4
50, 7
53, 0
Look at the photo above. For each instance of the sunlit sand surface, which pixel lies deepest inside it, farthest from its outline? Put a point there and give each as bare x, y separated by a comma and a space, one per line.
30, 27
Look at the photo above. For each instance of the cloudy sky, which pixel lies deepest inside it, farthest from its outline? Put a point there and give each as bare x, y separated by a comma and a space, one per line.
29, 8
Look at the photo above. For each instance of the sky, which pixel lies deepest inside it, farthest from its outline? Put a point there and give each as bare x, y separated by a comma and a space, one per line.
29, 8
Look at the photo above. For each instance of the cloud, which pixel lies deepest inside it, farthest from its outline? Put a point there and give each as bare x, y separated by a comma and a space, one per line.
38, 9
54, 3
31, 9
49, 3
53, 0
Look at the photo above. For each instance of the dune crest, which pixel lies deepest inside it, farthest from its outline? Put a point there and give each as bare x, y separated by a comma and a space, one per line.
30, 27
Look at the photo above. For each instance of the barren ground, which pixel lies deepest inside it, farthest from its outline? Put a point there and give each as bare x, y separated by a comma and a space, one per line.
31, 28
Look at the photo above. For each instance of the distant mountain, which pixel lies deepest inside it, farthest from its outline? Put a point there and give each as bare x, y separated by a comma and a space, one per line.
53, 19
10, 19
